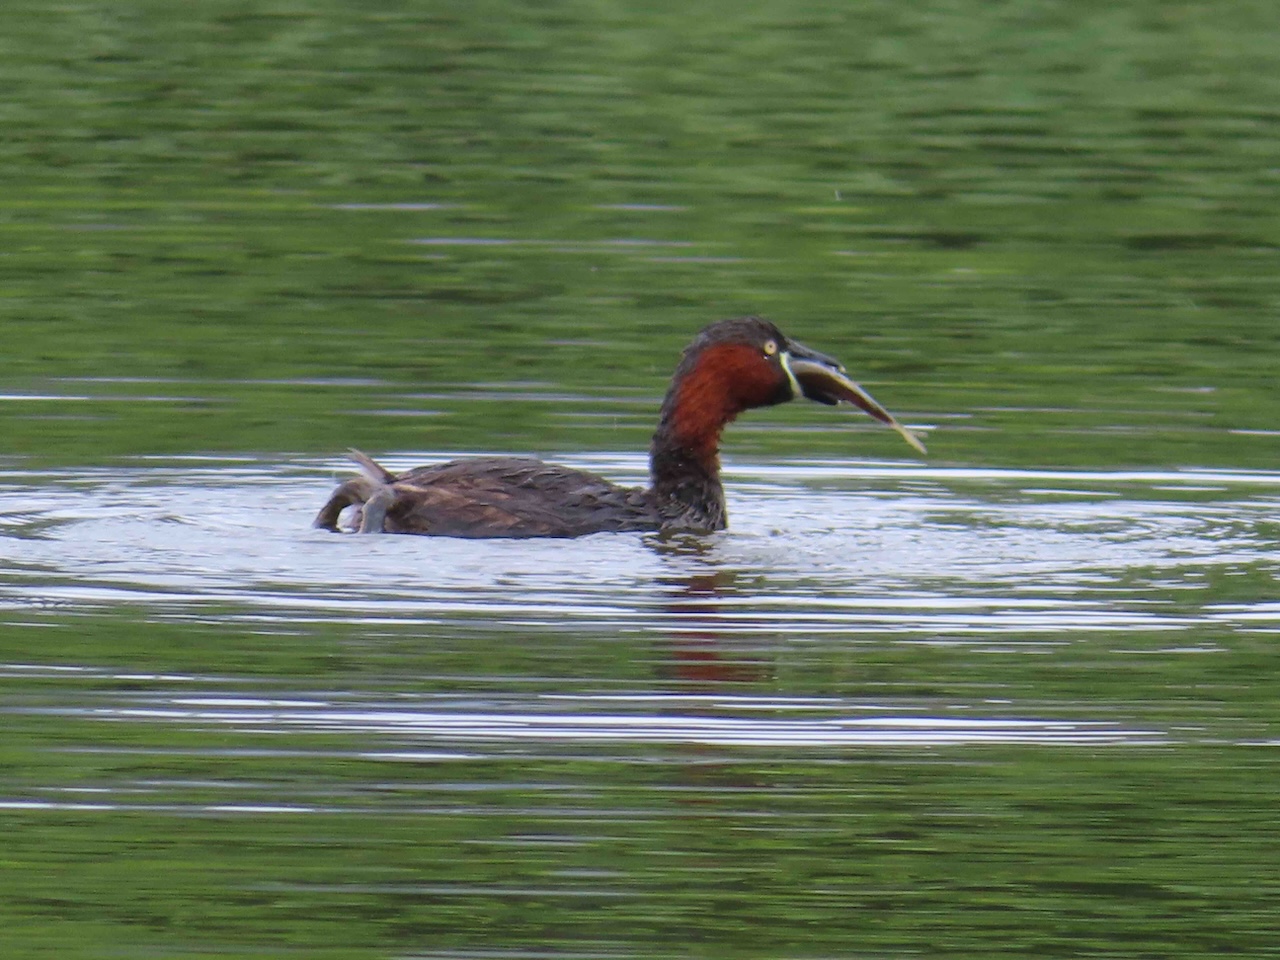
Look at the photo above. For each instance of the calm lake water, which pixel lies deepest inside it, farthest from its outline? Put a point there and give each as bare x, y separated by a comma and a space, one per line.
1015, 699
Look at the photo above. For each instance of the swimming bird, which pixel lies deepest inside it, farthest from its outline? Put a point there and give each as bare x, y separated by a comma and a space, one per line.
730, 367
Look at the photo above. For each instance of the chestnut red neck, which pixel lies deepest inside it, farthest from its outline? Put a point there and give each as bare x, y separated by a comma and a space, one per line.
711, 387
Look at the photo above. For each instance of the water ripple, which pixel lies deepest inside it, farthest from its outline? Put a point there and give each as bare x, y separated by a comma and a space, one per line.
722, 721
815, 548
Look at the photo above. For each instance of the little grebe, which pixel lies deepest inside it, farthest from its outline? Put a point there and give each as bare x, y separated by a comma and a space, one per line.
731, 366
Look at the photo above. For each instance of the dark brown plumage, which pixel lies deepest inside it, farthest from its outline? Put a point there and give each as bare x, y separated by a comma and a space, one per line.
731, 366
491, 497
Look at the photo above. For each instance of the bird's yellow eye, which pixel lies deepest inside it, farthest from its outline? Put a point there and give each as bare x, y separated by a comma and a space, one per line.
770, 347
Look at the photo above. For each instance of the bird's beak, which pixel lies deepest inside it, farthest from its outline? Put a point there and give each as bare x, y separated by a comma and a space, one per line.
822, 379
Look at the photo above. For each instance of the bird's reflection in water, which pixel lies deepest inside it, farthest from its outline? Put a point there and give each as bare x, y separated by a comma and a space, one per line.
698, 654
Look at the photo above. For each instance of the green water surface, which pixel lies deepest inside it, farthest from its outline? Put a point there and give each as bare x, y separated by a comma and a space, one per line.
1048, 231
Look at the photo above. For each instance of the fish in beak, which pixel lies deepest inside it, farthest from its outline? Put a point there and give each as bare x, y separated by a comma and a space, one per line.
822, 379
